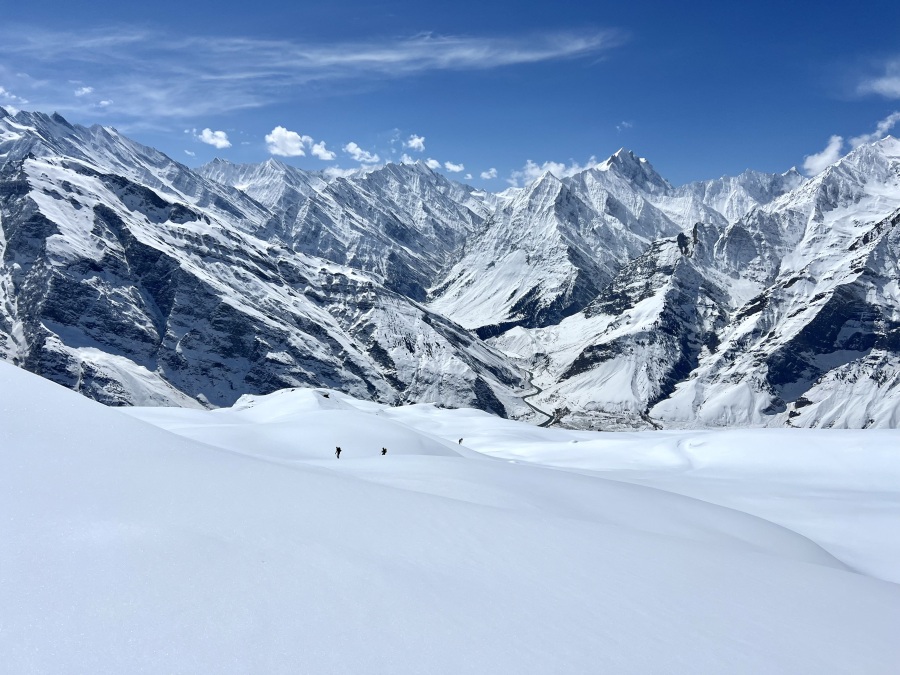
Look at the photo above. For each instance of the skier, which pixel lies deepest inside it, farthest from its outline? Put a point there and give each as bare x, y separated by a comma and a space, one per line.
383, 452
460, 441
337, 452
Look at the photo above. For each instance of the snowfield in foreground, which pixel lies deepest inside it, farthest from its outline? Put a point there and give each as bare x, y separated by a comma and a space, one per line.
232, 541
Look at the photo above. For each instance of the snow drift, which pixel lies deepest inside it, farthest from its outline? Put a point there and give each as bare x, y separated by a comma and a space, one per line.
235, 542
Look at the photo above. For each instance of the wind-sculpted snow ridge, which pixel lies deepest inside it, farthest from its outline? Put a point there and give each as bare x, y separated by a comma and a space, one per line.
234, 541
610, 299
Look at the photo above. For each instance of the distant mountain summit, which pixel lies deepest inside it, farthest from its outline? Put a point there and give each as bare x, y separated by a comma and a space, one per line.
610, 298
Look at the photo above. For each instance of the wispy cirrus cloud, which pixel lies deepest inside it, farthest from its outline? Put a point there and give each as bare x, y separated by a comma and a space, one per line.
9, 97
885, 83
156, 75
882, 129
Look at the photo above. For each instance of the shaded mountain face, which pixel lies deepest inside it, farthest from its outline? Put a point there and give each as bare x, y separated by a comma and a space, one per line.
610, 298
403, 222
154, 285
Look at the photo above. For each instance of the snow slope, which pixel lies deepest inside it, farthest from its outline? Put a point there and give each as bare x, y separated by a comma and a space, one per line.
839, 488
127, 548
131, 548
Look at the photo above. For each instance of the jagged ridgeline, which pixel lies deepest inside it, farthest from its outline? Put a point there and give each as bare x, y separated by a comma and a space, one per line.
610, 299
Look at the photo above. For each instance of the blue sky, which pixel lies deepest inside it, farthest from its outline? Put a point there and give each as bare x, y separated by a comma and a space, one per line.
493, 89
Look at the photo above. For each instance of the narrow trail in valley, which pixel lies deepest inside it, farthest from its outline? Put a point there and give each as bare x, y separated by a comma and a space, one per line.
537, 390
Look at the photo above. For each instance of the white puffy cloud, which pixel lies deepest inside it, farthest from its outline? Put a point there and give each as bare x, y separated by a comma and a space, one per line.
881, 130
286, 143
468, 176
218, 139
319, 150
432, 163
624, 125
84, 91
406, 159
453, 168
489, 174
7, 95
190, 154
532, 170
815, 164
105, 103
416, 143
887, 84
338, 172
360, 155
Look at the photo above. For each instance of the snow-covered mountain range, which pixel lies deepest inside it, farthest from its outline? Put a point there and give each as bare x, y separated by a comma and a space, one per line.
610, 299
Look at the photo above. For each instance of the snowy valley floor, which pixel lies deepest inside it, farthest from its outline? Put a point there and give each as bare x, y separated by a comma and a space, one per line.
183, 541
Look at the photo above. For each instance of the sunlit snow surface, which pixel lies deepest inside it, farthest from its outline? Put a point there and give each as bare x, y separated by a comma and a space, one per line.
233, 541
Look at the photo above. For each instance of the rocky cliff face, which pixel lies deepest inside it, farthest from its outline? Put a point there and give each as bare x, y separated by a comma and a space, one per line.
167, 292
786, 316
760, 299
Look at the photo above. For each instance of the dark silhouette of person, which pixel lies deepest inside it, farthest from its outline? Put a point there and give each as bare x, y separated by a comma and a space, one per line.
383, 452
460, 441
337, 452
